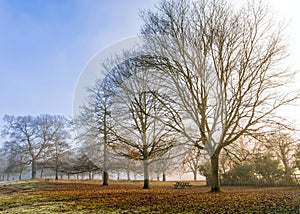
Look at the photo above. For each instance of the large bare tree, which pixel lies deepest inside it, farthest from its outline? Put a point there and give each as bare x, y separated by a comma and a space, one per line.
225, 66
138, 134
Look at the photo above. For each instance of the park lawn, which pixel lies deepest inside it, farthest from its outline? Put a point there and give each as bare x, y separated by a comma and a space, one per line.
127, 197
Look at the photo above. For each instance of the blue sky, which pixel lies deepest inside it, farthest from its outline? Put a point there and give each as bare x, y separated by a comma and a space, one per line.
44, 45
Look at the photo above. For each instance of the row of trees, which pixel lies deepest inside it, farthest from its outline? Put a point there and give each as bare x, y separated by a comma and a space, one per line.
206, 76
45, 144
271, 159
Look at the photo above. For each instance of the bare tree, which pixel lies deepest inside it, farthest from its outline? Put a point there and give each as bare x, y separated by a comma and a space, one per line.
16, 159
60, 149
223, 64
22, 130
282, 145
138, 134
94, 127
192, 161
33, 135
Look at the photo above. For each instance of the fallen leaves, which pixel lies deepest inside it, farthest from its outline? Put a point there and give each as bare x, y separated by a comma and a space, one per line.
128, 197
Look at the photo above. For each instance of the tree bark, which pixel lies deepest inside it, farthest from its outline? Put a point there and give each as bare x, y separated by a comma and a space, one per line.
56, 172
33, 169
146, 175
20, 175
164, 177
128, 175
105, 150
56, 164
105, 178
215, 179
195, 175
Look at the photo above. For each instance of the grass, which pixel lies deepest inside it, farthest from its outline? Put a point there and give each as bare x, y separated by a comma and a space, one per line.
128, 197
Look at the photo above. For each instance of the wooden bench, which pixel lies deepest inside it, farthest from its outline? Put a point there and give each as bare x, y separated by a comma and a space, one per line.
182, 185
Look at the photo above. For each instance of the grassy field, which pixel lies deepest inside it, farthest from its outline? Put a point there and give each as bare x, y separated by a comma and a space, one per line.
128, 197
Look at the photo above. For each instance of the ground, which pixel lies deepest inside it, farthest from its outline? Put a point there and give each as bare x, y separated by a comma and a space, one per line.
129, 197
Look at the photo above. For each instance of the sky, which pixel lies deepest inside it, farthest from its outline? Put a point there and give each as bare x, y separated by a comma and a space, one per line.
45, 44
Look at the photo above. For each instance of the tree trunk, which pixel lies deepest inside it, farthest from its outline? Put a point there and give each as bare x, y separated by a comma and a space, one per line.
20, 175
105, 157
215, 180
33, 169
164, 177
146, 175
195, 175
128, 175
41, 173
56, 169
105, 178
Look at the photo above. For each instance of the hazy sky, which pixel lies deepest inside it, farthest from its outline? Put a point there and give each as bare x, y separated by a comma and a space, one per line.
44, 45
